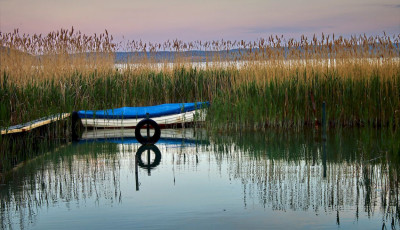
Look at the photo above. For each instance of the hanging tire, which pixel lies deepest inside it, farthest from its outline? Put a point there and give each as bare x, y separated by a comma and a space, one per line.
152, 148
148, 140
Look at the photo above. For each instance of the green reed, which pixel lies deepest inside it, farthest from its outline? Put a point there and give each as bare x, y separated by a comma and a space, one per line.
371, 100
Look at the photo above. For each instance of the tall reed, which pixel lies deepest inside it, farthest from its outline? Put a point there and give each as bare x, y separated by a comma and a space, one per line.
275, 81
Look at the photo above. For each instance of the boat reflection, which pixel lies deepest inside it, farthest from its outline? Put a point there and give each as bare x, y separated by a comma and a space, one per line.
147, 156
127, 136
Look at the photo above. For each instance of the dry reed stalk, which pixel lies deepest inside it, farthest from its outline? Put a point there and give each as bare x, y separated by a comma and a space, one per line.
69, 64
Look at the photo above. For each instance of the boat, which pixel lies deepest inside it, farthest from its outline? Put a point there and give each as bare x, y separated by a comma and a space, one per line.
128, 117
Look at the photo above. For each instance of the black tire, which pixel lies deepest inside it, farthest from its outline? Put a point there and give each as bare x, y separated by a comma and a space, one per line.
149, 140
152, 148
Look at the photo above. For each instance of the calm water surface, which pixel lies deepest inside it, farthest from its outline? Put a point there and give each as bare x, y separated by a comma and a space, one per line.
195, 180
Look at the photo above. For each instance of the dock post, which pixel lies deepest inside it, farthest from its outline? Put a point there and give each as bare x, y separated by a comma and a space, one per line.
324, 138
324, 121
75, 126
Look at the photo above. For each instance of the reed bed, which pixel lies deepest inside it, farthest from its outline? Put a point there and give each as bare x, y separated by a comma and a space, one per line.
272, 82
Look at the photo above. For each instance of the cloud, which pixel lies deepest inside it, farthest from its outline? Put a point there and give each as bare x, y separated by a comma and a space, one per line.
385, 5
391, 5
396, 6
286, 29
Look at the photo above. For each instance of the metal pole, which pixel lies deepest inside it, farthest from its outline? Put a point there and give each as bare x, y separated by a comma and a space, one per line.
324, 121
324, 158
136, 173
148, 128
324, 138
148, 162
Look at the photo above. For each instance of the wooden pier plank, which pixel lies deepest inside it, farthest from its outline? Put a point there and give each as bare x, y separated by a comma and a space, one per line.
34, 124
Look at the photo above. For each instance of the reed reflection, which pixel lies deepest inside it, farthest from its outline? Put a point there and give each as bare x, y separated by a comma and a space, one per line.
352, 172
73, 175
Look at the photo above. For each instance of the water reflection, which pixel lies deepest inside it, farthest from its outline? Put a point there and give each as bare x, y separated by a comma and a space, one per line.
353, 176
351, 171
150, 163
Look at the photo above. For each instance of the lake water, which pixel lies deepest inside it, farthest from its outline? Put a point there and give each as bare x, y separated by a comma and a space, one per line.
193, 179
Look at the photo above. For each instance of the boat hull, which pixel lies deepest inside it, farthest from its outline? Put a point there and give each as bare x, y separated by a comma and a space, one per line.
175, 119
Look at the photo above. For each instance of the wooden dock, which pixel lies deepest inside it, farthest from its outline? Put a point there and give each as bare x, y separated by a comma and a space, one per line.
34, 124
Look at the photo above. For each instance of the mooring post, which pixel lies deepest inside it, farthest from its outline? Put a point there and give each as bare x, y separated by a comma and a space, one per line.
324, 158
136, 173
75, 126
324, 121
324, 138
148, 162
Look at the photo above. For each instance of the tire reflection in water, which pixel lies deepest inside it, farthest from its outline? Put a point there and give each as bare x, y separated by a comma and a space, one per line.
149, 164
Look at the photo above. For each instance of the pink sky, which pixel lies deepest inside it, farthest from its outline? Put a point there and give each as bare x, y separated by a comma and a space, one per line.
188, 20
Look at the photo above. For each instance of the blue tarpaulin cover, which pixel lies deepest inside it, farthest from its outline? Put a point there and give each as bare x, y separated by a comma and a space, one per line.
140, 112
